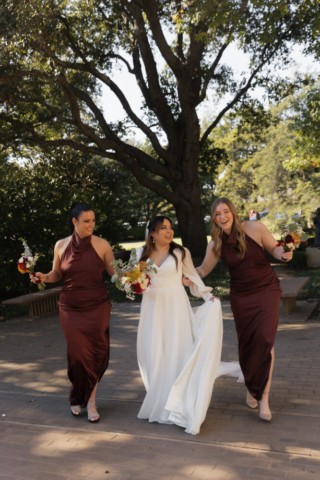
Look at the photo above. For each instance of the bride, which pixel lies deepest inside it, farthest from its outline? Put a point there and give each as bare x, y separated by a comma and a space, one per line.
179, 348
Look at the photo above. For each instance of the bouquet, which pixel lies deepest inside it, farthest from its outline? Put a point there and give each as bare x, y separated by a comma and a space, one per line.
132, 277
27, 263
292, 237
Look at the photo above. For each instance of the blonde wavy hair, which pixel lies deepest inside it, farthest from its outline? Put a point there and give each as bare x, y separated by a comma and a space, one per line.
237, 228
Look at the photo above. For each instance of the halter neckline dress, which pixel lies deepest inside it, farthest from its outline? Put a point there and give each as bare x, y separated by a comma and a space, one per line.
84, 316
255, 296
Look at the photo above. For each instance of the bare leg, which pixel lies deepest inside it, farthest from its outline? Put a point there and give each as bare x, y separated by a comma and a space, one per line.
92, 400
264, 402
251, 401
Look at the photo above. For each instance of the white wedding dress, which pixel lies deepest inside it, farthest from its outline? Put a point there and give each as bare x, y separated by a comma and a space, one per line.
179, 348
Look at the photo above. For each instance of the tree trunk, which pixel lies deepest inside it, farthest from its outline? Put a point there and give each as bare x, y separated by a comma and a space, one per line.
192, 228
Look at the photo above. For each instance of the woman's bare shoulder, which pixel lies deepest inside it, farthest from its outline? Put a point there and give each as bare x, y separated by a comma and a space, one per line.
252, 226
62, 243
101, 242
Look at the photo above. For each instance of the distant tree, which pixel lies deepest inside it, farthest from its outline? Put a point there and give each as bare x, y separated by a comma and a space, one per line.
56, 54
35, 199
306, 124
256, 174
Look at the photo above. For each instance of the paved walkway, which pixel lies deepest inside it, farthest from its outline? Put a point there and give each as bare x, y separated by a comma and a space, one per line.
39, 439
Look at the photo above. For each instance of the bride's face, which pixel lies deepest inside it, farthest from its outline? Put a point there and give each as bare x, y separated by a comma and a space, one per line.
164, 234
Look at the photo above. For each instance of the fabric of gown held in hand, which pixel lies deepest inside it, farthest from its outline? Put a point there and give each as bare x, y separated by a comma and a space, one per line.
84, 315
255, 296
179, 348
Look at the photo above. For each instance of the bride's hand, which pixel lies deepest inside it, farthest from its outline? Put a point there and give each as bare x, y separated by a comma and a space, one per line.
212, 299
186, 281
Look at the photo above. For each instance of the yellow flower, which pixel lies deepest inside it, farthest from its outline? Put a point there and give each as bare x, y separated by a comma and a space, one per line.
134, 274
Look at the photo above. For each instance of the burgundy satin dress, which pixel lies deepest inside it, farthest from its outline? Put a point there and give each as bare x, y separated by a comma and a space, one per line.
84, 315
255, 296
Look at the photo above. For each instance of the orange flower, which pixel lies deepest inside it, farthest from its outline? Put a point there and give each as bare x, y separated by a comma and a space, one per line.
142, 266
296, 238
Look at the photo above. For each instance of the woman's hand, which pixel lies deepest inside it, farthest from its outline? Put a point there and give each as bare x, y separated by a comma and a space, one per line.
286, 256
37, 275
212, 299
186, 281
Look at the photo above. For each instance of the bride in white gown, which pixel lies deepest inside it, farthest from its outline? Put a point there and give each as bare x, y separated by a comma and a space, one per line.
179, 348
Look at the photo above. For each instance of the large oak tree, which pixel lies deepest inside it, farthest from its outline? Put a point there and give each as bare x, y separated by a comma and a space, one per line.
56, 54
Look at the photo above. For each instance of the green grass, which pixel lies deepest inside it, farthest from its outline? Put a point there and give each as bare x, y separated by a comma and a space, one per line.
312, 289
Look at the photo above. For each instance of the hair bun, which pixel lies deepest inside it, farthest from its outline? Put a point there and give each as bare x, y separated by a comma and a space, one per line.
74, 204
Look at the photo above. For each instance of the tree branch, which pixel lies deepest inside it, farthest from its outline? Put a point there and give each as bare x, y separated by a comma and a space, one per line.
118, 156
119, 57
51, 109
240, 93
37, 139
89, 68
21, 74
148, 162
196, 48
153, 94
164, 192
150, 7
214, 65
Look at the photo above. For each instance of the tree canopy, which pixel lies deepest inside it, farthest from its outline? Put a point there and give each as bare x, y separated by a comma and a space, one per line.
56, 55
257, 176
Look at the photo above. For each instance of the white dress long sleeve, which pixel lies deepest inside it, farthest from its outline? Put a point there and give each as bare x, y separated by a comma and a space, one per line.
179, 348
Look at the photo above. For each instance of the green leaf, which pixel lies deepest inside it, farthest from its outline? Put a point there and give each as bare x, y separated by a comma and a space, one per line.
293, 227
304, 237
114, 278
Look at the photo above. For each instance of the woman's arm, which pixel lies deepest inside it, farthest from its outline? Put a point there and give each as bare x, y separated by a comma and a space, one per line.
55, 275
108, 258
209, 262
197, 287
270, 244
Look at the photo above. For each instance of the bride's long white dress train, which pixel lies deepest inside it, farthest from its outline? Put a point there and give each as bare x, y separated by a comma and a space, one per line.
179, 348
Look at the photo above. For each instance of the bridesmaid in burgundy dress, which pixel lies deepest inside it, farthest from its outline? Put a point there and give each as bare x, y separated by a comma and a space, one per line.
255, 294
84, 306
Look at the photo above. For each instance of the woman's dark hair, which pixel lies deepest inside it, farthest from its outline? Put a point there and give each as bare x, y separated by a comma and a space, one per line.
154, 225
75, 211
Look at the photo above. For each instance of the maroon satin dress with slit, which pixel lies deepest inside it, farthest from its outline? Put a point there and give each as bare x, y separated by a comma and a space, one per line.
84, 315
255, 296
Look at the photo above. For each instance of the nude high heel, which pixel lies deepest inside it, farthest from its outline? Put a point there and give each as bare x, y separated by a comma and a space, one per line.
92, 417
251, 401
265, 416
75, 410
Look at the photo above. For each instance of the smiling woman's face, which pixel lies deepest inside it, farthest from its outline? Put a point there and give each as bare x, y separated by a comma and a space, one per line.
85, 224
224, 218
164, 234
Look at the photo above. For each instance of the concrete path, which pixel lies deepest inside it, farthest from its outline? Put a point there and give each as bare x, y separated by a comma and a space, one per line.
39, 439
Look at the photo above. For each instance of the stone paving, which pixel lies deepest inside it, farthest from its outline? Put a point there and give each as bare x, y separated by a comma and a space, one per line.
39, 438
